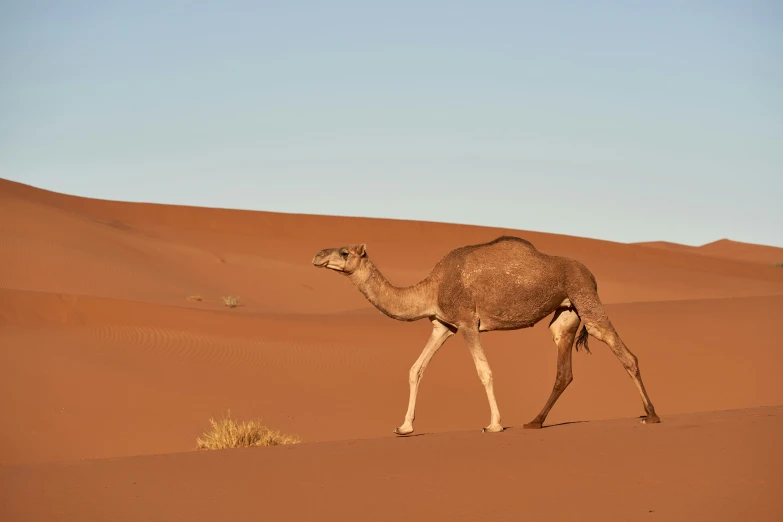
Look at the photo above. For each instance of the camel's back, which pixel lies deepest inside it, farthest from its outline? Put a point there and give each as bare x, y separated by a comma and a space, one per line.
504, 256
507, 281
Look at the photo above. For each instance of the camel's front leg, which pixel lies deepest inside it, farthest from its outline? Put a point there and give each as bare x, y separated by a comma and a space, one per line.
440, 332
485, 374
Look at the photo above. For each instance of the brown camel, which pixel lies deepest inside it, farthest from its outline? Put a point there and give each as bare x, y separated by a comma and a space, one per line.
505, 284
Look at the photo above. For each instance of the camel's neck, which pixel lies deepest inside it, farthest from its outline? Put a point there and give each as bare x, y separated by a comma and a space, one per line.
404, 304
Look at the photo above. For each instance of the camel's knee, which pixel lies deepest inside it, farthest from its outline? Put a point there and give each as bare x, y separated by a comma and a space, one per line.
604, 331
414, 375
486, 376
595, 331
631, 364
628, 360
563, 380
567, 374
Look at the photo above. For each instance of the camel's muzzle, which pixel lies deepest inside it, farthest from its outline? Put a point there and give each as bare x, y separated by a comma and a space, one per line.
321, 259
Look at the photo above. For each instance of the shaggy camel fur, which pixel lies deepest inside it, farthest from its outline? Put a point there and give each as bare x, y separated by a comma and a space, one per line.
505, 284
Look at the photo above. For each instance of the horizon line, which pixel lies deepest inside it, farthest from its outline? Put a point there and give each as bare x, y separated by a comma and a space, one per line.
378, 218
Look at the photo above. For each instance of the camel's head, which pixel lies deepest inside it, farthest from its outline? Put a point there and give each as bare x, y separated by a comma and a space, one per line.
344, 259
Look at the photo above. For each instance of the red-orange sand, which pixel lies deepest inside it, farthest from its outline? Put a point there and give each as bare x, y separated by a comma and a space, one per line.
109, 372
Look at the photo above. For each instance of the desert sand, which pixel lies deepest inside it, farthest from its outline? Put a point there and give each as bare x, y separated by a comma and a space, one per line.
109, 370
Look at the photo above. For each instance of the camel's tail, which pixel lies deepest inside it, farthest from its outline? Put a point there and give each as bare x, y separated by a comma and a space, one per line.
581, 341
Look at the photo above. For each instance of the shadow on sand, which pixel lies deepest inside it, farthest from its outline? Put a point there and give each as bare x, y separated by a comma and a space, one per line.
545, 426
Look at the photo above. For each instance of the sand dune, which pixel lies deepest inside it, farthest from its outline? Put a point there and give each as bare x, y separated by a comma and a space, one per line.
727, 249
161, 254
103, 355
340, 377
719, 466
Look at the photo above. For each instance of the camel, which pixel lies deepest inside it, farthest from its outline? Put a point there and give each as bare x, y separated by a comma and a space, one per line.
504, 284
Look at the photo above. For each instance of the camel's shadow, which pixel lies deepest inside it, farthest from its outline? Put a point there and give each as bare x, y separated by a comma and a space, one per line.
546, 426
506, 428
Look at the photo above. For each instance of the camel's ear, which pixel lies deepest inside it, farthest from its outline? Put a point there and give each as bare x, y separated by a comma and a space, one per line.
361, 250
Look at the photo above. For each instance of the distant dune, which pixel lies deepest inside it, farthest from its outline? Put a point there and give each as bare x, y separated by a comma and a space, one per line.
105, 355
727, 249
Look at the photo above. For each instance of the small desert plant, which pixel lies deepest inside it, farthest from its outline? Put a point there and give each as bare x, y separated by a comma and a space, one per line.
228, 433
230, 301
194, 297
779, 264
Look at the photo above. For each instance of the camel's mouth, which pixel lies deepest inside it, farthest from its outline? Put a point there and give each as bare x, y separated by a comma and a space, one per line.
326, 263
320, 260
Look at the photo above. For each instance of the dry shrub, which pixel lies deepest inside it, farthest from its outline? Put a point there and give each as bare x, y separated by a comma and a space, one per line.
228, 433
195, 298
230, 301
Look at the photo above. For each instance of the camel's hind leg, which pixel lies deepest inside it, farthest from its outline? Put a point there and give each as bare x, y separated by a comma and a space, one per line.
564, 326
599, 326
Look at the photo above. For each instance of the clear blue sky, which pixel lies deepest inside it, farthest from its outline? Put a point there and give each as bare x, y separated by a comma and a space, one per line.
627, 121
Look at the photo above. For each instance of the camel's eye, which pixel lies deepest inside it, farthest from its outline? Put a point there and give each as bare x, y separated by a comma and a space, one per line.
344, 255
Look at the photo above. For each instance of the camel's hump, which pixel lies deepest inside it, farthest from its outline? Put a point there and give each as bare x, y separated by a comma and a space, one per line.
502, 239
508, 238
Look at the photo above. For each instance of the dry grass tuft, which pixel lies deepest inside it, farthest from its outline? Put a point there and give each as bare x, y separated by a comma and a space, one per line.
230, 301
228, 433
195, 298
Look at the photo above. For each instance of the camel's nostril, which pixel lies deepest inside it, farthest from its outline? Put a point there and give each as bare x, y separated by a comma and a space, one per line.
318, 259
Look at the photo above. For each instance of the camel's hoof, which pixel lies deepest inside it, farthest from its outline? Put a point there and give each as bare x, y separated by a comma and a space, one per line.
492, 429
532, 426
651, 419
400, 431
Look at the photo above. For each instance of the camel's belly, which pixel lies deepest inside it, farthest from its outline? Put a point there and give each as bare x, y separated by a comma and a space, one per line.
502, 321
519, 308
